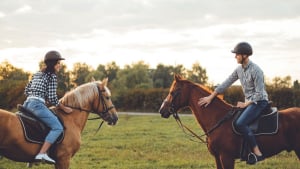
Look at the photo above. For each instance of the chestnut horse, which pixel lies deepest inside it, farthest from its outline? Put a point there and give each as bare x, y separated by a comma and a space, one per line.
90, 97
222, 142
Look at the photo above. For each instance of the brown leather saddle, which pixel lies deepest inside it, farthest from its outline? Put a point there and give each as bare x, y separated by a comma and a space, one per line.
35, 131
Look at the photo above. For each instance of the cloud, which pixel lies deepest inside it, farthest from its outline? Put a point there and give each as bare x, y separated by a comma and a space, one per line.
2, 15
24, 9
130, 30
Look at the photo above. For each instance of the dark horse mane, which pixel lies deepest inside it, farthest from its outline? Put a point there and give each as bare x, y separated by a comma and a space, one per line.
205, 91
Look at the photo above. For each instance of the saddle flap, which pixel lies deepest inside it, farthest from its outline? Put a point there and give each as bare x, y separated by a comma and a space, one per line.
266, 123
35, 130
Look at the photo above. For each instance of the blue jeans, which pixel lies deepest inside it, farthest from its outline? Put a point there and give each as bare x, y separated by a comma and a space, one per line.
250, 113
41, 111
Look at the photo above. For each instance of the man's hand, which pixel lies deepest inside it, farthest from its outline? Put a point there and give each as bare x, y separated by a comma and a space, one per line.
242, 104
204, 101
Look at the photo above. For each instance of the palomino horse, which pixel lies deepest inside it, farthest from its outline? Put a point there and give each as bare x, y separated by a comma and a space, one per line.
222, 142
90, 97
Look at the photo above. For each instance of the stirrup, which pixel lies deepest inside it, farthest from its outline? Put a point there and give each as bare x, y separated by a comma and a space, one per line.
253, 158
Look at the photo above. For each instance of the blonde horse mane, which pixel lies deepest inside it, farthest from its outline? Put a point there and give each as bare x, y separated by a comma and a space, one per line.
81, 96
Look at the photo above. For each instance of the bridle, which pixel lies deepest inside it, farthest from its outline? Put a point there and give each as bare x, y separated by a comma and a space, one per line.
173, 111
105, 109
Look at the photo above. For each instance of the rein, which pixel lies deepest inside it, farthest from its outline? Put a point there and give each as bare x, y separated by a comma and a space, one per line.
218, 124
173, 111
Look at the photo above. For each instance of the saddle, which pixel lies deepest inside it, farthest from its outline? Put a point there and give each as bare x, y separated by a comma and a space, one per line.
265, 124
35, 131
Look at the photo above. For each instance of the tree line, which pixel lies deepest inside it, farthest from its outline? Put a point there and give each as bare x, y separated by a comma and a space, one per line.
135, 87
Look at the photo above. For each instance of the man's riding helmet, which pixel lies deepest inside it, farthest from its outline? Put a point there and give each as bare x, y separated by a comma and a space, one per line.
243, 48
52, 55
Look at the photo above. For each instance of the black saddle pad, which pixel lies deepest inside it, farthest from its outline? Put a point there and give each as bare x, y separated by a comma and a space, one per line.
35, 131
266, 124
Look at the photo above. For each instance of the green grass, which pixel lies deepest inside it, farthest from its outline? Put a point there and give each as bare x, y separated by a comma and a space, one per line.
149, 142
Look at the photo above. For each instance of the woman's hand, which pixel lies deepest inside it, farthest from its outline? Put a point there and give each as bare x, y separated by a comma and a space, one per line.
65, 108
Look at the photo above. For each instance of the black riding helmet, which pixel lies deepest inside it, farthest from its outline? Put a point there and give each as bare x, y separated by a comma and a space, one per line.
52, 56
243, 48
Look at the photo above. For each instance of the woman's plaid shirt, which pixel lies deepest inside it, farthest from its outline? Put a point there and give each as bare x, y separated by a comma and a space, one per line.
43, 85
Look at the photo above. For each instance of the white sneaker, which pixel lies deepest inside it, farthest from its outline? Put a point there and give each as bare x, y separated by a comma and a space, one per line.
44, 158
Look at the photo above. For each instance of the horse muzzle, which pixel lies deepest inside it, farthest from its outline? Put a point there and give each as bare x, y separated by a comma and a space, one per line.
110, 118
113, 119
165, 113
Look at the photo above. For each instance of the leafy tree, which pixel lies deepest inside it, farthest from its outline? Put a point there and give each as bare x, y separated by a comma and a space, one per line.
80, 73
63, 81
111, 70
279, 82
162, 76
135, 76
179, 69
296, 85
12, 85
197, 74
8, 71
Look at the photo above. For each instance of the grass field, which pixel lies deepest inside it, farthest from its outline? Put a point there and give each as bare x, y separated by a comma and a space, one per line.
149, 142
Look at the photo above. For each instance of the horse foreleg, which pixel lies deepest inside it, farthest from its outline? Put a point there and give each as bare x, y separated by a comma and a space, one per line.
226, 161
63, 163
218, 163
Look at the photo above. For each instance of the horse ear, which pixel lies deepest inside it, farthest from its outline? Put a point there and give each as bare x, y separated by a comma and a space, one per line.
177, 77
105, 81
93, 79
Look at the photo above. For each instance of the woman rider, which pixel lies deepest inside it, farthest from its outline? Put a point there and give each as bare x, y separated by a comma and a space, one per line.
41, 88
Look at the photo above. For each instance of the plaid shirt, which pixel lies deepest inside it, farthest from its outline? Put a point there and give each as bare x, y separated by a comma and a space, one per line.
252, 81
43, 85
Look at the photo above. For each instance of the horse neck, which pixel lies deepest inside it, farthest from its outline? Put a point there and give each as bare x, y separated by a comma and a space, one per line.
75, 119
208, 116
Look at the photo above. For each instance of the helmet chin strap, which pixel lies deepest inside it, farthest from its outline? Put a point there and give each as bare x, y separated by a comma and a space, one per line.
243, 59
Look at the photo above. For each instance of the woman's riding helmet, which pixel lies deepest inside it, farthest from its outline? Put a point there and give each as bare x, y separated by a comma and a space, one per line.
243, 48
53, 55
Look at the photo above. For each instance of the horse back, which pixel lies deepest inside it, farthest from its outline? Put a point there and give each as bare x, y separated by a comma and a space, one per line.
289, 120
10, 128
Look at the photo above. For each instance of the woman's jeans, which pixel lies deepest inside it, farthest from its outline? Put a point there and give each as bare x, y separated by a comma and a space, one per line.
248, 115
40, 110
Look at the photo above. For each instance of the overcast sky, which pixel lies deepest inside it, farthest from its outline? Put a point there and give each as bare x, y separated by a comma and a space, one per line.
171, 32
